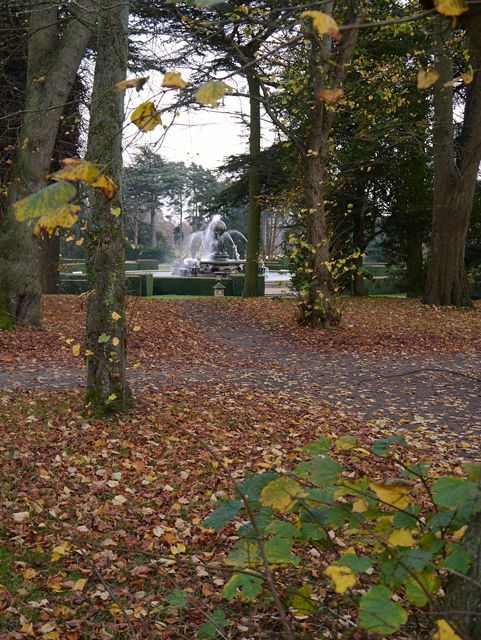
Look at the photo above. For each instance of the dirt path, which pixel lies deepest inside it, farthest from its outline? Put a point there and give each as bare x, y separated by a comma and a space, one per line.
428, 392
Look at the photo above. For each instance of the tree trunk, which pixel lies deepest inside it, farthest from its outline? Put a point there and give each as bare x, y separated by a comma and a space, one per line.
52, 68
464, 595
153, 236
455, 172
359, 244
49, 263
254, 223
319, 310
107, 389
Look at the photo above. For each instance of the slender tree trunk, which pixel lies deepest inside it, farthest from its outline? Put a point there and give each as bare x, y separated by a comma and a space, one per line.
254, 223
48, 260
319, 310
107, 389
455, 172
153, 236
358, 243
52, 67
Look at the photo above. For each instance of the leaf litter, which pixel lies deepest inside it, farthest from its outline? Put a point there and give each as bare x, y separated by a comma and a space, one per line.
101, 519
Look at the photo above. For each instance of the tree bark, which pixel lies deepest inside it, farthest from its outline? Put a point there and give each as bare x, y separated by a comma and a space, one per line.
319, 308
254, 222
107, 389
52, 67
455, 171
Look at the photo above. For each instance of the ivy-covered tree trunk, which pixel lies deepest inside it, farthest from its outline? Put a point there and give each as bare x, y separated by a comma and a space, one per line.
455, 170
107, 389
52, 67
254, 222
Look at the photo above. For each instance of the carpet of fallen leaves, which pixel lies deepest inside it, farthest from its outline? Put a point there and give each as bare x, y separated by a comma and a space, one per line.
100, 520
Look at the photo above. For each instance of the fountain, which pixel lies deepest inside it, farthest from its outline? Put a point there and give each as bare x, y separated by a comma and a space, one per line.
209, 252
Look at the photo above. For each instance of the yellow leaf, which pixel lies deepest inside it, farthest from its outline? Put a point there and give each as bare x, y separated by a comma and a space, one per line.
112, 396
342, 577
48, 626
394, 492
282, 494
445, 631
74, 170
401, 538
136, 83
116, 212
451, 7
427, 77
61, 550
51, 635
136, 328
136, 366
466, 77
89, 353
331, 95
27, 629
173, 80
76, 349
115, 315
29, 573
323, 24
80, 584
115, 342
80, 242
212, 92
64, 217
359, 506
146, 117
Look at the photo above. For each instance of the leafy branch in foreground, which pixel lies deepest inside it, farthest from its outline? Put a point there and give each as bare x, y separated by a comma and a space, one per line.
385, 545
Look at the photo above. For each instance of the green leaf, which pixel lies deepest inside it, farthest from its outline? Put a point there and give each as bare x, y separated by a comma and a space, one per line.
382, 448
176, 599
321, 471
282, 494
250, 586
407, 519
459, 560
104, 338
311, 532
319, 446
472, 469
283, 529
252, 487
418, 470
211, 92
277, 550
358, 565
303, 602
227, 511
452, 492
52, 198
378, 613
209, 629
419, 588
244, 554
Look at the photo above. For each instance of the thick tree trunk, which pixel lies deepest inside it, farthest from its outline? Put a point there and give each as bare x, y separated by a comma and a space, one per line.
254, 223
107, 389
455, 172
52, 67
